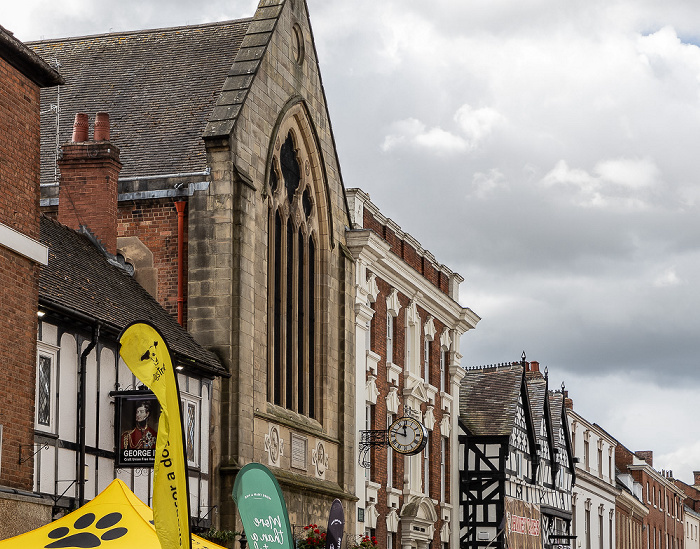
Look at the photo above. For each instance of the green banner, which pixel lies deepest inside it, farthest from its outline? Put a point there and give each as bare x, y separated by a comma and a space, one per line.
261, 506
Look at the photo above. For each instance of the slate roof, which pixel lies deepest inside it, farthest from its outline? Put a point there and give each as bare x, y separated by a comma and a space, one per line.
159, 87
488, 399
80, 279
27, 61
536, 391
556, 403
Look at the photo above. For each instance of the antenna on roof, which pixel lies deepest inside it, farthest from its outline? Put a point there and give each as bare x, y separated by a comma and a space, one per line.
57, 106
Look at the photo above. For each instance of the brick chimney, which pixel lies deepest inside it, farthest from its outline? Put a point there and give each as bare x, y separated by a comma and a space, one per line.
88, 186
696, 479
646, 455
568, 402
532, 370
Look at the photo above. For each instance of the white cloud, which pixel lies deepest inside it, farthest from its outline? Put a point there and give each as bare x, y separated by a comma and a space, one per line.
413, 133
485, 184
667, 278
621, 184
477, 124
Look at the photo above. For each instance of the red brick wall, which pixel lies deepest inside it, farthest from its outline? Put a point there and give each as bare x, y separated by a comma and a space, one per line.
88, 191
19, 209
154, 222
407, 252
378, 471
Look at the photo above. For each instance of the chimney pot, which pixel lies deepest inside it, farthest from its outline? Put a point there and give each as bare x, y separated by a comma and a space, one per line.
102, 126
80, 128
696, 478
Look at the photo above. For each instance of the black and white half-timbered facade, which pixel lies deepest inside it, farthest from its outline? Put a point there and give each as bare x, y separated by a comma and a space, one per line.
85, 300
515, 470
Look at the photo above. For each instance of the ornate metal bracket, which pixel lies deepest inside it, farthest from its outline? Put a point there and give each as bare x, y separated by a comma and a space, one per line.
368, 439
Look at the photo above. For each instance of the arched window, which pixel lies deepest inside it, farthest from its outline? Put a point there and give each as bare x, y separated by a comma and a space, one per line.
293, 277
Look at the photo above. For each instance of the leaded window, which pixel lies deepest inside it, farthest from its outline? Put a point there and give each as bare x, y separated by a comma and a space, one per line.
293, 248
43, 413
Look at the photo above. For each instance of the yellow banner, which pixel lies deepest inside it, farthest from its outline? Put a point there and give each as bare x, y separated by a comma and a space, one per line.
145, 353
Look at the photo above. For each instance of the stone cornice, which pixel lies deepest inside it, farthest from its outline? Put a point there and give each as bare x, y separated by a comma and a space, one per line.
364, 243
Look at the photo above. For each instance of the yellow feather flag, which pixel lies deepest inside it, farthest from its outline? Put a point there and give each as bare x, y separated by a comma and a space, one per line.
144, 351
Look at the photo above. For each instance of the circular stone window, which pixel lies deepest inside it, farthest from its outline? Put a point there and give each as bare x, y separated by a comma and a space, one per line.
297, 44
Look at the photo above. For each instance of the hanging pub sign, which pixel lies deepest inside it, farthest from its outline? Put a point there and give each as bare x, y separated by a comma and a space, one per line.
137, 415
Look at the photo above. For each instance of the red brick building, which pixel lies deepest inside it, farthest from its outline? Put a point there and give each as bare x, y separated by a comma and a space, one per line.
663, 526
22, 74
408, 328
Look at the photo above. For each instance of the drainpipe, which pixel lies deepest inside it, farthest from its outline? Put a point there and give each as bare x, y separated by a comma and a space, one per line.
180, 207
81, 415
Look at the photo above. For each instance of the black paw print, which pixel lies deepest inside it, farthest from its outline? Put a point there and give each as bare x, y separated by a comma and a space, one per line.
86, 540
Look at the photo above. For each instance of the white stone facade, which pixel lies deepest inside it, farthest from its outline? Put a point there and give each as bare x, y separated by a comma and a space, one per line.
595, 491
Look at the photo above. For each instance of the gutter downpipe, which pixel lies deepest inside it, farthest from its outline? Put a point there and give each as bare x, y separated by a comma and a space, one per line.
81, 415
180, 207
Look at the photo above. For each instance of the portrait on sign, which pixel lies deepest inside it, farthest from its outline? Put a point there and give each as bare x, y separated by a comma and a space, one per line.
136, 429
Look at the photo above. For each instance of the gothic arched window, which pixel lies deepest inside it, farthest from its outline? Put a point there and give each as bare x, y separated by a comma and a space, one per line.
293, 278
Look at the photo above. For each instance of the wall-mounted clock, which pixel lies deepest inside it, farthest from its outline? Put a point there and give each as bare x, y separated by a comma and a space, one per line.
407, 435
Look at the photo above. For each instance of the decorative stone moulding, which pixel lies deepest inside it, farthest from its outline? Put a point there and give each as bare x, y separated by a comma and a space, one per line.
372, 362
429, 418
412, 317
446, 402
445, 532
372, 288
445, 340
392, 521
392, 401
445, 427
392, 303
392, 373
430, 392
274, 445
319, 458
371, 491
429, 329
371, 391
371, 515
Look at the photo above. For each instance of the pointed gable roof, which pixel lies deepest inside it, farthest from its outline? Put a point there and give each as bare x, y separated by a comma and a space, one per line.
160, 88
488, 399
559, 421
536, 390
79, 280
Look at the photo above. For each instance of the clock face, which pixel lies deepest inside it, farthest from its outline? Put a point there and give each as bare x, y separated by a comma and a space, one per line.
407, 436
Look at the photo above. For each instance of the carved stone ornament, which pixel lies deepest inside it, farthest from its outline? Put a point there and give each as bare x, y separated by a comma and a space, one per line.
274, 445
445, 426
372, 288
412, 317
445, 532
392, 401
392, 303
445, 340
429, 329
371, 390
429, 418
392, 521
371, 515
319, 459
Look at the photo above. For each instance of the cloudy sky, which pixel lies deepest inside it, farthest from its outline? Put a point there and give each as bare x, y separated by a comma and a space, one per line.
545, 150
